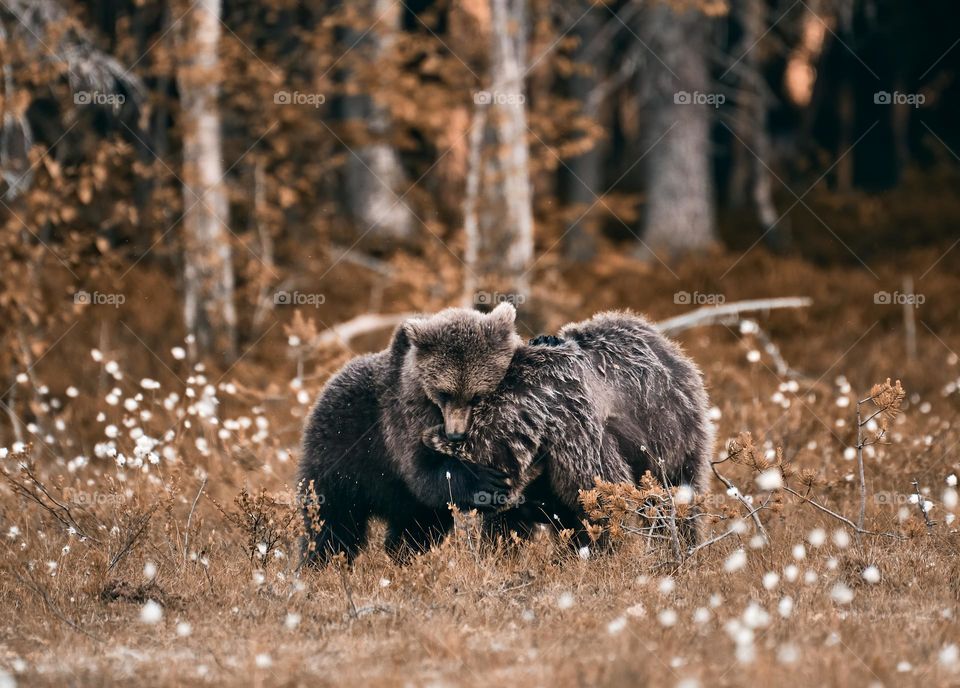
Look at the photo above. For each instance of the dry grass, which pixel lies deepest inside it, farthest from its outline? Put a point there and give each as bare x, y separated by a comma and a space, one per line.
88, 548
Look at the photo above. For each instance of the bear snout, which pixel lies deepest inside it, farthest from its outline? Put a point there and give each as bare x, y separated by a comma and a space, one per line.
456, 421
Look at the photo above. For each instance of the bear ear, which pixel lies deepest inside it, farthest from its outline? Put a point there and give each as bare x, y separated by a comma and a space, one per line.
415, 331
503, 316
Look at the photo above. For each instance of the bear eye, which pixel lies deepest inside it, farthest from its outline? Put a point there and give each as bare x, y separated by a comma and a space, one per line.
443, 397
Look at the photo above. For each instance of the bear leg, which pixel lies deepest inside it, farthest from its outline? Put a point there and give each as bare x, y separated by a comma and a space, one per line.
415, 533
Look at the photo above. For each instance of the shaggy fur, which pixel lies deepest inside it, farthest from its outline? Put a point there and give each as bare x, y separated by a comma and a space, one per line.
362, 454
610, 397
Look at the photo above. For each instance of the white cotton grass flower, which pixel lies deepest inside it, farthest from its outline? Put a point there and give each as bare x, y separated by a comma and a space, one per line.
617, 625
949, 499
841, 593
667, 618
841, 538
770, 480
701, 615
904, 667
755, 616
666, 585
384, 582
788, 654
72, 392
178, 352
184, 629
817, 537
850, 453
871, 574
688, 683
263, 660
785, 606
952, 480
584, 553
949, 656
770, 580
736, 561
565, 600
151, 612
149, 570
291, 621
753, 356
637, 611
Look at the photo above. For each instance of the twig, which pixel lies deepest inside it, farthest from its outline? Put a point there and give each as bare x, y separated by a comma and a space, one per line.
186, 535
922, 506
29, 585
351, 607
863, 480
749, 507
727, 533
135, 534
712, 315
844, 519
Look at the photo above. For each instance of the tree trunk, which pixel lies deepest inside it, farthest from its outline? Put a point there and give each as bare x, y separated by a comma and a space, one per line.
373, 177
679, 210
581, 177
209, 310
500, 250
754, 96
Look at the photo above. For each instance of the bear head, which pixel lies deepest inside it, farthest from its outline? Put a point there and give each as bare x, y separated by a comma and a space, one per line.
458, 356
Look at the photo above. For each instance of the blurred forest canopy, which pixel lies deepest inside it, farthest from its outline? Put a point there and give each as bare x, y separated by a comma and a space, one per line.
244, 149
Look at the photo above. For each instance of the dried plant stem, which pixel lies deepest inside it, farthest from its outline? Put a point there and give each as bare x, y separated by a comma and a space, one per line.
834, 514
749, 507
863, 481
186, 535
36, 590
922, 506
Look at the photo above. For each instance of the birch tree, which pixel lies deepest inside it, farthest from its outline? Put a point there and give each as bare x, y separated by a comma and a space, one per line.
373, 177
209, 310
500, 236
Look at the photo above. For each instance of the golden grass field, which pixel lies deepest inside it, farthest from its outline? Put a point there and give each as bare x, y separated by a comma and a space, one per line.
156, 572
